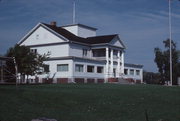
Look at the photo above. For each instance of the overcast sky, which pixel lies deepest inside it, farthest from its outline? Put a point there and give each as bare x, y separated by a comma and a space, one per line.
141, 24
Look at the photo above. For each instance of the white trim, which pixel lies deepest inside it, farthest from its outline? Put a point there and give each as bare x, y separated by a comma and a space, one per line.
36, 27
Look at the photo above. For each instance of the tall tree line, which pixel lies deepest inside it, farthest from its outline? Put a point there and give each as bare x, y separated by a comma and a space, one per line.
163, 62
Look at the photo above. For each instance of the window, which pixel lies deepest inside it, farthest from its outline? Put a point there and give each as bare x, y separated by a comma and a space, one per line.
79, 68
46, 68
62, 67
37, 36
131, 72
126, 71
115, 53
90, 69
33, 51
99, 52
84, 52
137, 72
99, 69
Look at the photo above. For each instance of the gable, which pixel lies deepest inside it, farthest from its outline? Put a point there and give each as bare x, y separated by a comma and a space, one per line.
41, 35
117, 42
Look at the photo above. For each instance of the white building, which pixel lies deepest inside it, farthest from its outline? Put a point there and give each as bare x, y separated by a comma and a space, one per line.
77, 54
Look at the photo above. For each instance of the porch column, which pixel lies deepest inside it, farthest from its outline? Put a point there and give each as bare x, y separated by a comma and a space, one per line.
90, 53
141, 74
122, 62
111, 66
118, 64
72, 66
107, 63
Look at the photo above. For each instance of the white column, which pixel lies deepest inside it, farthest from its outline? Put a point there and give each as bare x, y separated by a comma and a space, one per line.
90, 53
111, 66
72, 68
122, 62
107, 63
141, 74
118, 65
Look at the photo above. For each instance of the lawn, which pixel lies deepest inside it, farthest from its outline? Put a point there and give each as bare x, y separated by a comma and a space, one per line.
90, 102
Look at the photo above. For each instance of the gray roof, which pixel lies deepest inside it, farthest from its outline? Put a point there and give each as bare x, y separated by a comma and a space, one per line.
88, 40
133, 65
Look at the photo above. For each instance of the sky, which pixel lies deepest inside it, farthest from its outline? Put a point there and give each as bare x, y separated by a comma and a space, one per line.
141, 24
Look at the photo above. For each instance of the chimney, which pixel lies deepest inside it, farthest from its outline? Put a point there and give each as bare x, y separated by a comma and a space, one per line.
53, 23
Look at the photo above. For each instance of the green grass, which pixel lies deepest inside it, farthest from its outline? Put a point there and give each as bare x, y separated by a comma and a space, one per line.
90, 102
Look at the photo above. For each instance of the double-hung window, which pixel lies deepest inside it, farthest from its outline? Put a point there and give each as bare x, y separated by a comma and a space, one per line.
79, 68
99, 69
90, 69
138, 72
131, 71
85, 52
62, 67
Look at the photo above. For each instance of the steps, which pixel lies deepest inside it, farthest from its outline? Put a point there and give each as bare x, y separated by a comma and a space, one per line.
123, 81
119, 81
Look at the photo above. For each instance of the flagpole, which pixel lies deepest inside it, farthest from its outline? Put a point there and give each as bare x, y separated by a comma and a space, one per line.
170, 46
74, 12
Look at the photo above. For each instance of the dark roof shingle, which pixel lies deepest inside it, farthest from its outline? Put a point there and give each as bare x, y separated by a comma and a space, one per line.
100, 39
90, 40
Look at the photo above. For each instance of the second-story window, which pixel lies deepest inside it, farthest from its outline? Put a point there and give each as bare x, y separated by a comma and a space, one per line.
37, 36
99, 52
85, 52
34, 51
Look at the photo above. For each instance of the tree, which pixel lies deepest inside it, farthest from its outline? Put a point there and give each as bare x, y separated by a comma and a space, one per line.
28, 62
151, 77
162, 61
